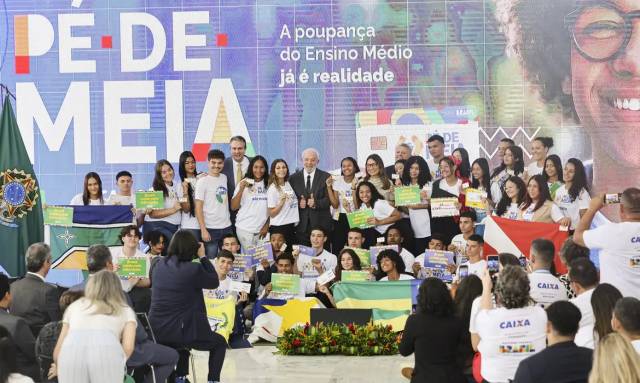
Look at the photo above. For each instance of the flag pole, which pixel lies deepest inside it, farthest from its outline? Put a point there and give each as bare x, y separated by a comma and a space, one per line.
5, 89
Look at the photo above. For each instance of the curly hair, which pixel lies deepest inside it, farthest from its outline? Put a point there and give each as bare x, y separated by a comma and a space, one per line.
512, 288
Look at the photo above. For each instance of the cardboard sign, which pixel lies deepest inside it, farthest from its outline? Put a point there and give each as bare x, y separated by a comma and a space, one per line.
364, 255
474, 198
132, 267
285, 283
407, 195
359, 218
58, 216
240, 265
444, 207
240, 287
305, 250
435, 264
260, 252
375, 250
326, 277
149, 200
354, 276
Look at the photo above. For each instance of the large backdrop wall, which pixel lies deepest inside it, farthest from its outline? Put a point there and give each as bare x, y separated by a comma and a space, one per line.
107, 85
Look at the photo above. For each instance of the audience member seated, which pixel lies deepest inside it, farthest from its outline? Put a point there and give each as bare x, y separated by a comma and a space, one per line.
475, 263
231, 243
223, 264
469, 288
146, 351
546, 288
584, 279
615, 360
511, 332
348, 261
20, 333
562, 360
617, 242
626, 320
433, 333
394, 236
284, 265
437, 242
568, 252
9, 371
136, 287
603, 300
156, 242
48, 337
96, 331
266, 268
33, 299
355, 238
391, 266
178, 314
311, 267
466, 224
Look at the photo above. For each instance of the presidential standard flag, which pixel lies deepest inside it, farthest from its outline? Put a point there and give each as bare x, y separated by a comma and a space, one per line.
20, 209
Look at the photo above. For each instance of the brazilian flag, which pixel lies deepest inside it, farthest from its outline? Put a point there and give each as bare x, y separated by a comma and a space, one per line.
21, 222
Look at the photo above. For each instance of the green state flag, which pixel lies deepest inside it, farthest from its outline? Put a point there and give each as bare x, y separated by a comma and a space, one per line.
21, 222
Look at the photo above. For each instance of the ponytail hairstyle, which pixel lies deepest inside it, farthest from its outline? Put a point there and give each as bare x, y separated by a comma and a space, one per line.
547, 142
85, 190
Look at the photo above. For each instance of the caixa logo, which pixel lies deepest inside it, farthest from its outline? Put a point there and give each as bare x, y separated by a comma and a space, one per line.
635, 239
515, 323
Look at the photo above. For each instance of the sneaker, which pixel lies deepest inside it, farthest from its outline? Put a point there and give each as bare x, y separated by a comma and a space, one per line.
407, 372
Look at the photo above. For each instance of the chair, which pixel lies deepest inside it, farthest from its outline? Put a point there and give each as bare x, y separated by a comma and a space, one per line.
138, 373
45, 343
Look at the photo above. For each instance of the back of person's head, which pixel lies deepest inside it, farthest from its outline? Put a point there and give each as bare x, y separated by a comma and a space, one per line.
630, 202
183, 246
469, 288
507, 259
564, 317
615, 361
603, 300
543, 252
104, 291
98, 257
512, 288
37, 255
8, 364
571, 250
434, 298
627, 314
583, 272
226, 254
4, 286
68, 297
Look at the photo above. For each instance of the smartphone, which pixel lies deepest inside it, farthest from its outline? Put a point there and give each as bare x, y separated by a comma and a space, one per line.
523, 262
610, 199
463, 271
493, 263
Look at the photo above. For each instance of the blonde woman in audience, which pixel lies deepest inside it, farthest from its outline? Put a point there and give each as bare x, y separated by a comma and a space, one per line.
98, 334
615, 361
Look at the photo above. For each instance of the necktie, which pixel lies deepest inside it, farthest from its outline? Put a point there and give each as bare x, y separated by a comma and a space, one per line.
239, 173
308, 184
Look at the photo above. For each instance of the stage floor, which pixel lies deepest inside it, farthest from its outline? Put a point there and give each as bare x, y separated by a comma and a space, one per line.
260, 365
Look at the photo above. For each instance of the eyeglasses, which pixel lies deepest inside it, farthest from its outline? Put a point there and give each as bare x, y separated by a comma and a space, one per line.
600, 33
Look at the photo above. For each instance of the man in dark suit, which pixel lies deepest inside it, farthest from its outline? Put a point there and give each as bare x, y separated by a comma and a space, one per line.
403, 152
146, 351
562, 360
235, 168
20, 333
33, 299
310, 186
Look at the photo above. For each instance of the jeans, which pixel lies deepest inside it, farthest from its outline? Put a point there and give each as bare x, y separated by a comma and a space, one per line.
211, 247
217, 347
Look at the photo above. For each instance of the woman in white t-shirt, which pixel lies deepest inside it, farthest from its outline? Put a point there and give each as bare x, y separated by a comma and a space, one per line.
188, 178
340, 190
512, 331
384, 215
166, 220
553, 174
512, 165
512, 196
98, 334
282, 203
91, 191
250, 199
391, 266
449, 186
416, 173
539, 149
480, 180
573, 197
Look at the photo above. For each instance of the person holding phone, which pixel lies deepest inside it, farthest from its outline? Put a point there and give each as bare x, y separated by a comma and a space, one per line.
619, 242
475, 264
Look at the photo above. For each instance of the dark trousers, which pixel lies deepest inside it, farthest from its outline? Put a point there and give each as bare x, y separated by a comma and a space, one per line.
421, 245
217, 347
211, 247
289, 232
164, 360
370, 237
339, 235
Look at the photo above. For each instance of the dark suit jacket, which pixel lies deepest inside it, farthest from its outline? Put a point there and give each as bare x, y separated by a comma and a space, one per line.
178, 314
229, 170
320, 215
390, 170
435, 342
35, 301
24, 341
561, 363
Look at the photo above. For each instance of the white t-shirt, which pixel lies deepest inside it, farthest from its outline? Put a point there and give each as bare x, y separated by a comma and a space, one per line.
620, 255
508, 336
19, 378
512, 211
636, 345
175, 193
584, 337
460, 243
455, 189
402, 277
124, 200
421, 221
79, 316
253, 211
117, 255
434, 169
474, 268
571, 209
213, 192
496, 184
345, 194
190, 221
289, 212
222, 291
533, 169
546, 288
408, 259
381, 210
305, 266
77, 201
